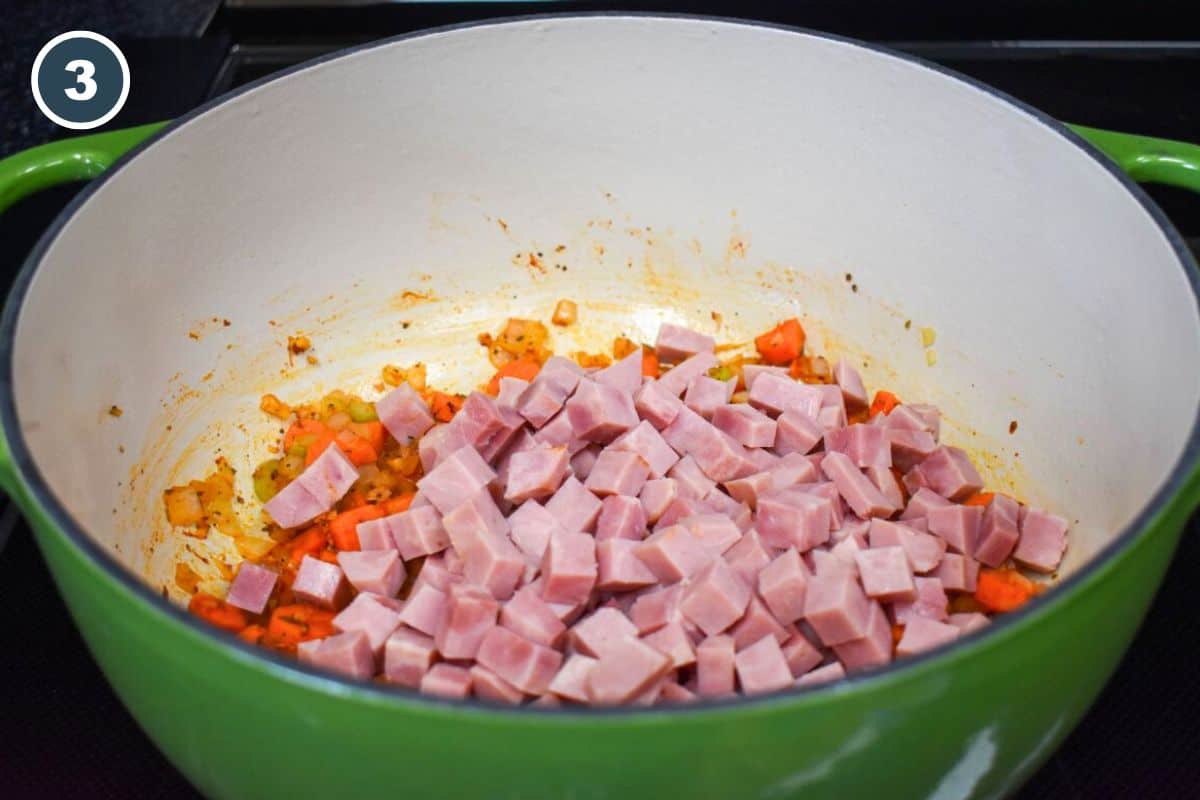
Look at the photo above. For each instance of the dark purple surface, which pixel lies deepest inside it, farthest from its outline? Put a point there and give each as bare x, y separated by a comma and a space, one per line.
66, 735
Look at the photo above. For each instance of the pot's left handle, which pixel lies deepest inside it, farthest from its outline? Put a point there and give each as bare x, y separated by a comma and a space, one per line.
77, 159
30, 171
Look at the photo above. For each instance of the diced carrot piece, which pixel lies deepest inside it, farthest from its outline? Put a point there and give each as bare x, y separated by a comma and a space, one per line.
342, 527
897, 634
291, 624
857, 415
217, 612
356, 448
322, 439
328, 556
1003, 589
979, 499
303, 427
650, 367
394, 505
373, 432
444, 406
524, 368
252, 633
309, 543
782, 344
883, 403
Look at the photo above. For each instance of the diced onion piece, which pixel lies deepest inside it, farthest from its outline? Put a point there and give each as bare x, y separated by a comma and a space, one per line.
183, 506
565, 313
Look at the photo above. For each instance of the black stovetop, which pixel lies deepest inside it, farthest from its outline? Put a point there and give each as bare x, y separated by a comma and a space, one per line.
66, 735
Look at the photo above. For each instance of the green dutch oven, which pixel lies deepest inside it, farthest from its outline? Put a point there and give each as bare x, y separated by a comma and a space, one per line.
392, 201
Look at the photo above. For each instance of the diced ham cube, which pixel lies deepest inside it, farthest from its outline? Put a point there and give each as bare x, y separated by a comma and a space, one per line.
796, 432
1043, 540
618, 472
747, 425
347, 653
375, 615
575, 508
782, 585
405, 415
656, 496
510, 392
322, 483
320, 583
825, 674
684, 430
656, 608
548, 392
871, 650
657, 404
650, 445
675, 380
481, 538
455, 479
529, 616
600, 413
407, 656
690, 479
531, 527
675, 343
526, 665
738, 513
794, 518
251, 587
375, 534
969, 623
627, 670
559, 433
487, 685
715, 598
470, 613
674, 643
757, 622
435, 573
486, 426
418, 531
536, 473
886, 574
748, 556
439, 443
801, 655
625, 375
924, 550
673, 553
854, 394
571, 680
750, 373
763, 460
716, 531
998, 531
569, 569
761, 667
478, 513
864, 445
376, 571
599, 633
619, 569
958, 573
776, 394
704, 395
715, 667
931, 602
922, 501
672, 693
425, 609
855, 487
922, 634
909, 448
825, 562
950, 473
836, 607
621, 518
915, 416
447, 680
583, 461
957, 526
914, 480
885, 481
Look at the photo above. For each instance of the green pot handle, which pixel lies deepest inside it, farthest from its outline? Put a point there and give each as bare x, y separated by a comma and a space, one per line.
1146, 159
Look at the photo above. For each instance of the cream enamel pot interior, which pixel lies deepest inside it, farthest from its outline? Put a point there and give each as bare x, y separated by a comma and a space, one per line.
394, 202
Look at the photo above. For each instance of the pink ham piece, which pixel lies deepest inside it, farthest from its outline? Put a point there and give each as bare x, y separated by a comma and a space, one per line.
627, 670
675, 343
705, 395
715, 598
621, 518
1043, 540
672, 693
617, 472
407, 656
715, 667
405, 415
690, 479
455, 479
347, 653
782, 585
546, 395
619, 570
374, 534
871, 650
625, 375
447, 680
320, 583
571, 681
998, 531
574, 507
375, 615
748, 556
801, 655
750, 373
675, 380
855, 487
716, 531
825, 674
738, 513
418, 531
673, 553
747, 425
322, 483
854, 394
435, 573
922, 634
674, 643
680, 508
648, 443
510, 392
599, 633
527, 615
486, 426
535, 473
757, 622
909, 448
922, 501
480, 536
776, 394
958, 573
470, 614
655, 608
487, 685
600, 413
559, 433
796, 432
957, 526
916, 417
375, 571
794, 518
885, 481
425, 609
657, 404
761, 667
438, 444
930, 603
251, 587
924, 550
836, 607
583, 461
969, 623
865, 445
950, 473
569, 569
886, 574
531, 526
526, 665
656, 496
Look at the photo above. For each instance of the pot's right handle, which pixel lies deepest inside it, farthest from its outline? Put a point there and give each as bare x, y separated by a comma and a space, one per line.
76, 159
1147, 159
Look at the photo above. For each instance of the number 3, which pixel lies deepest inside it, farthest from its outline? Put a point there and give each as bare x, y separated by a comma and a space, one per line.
84, 70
